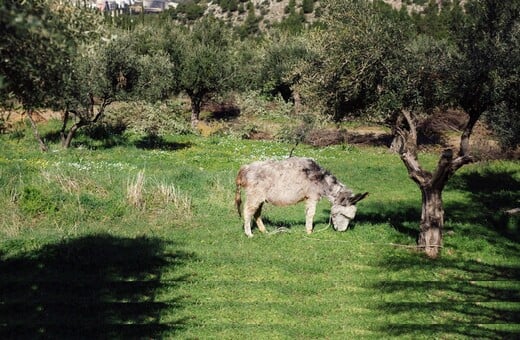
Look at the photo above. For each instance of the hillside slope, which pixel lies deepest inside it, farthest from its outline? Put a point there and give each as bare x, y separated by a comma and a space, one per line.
274, 11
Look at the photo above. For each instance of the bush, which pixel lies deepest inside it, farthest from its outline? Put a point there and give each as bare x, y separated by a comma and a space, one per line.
191, 10
157, 119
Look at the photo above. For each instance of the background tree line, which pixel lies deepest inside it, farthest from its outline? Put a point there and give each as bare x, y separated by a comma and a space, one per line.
360, 59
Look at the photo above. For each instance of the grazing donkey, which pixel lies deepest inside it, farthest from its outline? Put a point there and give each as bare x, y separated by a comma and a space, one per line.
290, 181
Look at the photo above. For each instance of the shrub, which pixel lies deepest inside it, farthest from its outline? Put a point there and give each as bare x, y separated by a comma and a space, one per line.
144, 118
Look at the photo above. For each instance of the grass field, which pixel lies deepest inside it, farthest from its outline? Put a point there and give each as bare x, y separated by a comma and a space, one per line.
129, 241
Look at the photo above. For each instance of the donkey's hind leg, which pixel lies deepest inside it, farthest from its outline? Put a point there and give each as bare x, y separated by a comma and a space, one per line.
251, 209
258, 219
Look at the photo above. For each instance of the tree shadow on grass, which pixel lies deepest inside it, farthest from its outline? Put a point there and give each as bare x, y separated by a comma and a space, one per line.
95, 287
277, 224
402, 219
225, 113
402, 216
156, 142
466, 298
491, 193
287, 223
477, 300
102, 135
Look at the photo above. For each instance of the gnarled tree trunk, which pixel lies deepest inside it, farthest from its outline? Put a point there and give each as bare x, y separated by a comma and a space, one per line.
67, 139
195, 112
430, 184
196, 99
432, 221
85, 118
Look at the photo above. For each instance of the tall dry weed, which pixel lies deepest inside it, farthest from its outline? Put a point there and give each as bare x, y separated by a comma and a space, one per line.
11, 222
67, 184
135, 191
178, 201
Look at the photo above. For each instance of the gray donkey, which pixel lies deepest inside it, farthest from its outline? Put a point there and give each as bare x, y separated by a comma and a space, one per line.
290, 181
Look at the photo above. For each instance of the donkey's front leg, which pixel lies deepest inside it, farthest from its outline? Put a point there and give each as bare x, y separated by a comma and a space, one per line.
310, 210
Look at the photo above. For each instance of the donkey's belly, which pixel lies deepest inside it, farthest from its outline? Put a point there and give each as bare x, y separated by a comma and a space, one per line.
283, 198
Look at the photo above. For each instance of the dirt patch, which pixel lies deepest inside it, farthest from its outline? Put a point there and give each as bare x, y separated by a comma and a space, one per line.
13, 116
11, 119
361, 136
258, 135
226, 111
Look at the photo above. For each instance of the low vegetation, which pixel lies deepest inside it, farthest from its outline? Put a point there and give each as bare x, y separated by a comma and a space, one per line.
126, 240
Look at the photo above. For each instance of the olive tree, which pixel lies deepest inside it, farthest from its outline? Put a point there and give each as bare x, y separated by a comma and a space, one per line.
349, 57
280, 67
371, 64
486, 80
102, 72
37, 43
126, 66
205, 63
489, 77
421, 80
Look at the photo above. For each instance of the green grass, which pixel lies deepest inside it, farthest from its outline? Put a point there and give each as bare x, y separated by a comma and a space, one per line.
78, 259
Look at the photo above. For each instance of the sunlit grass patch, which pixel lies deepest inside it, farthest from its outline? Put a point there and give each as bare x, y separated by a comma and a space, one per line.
176, 264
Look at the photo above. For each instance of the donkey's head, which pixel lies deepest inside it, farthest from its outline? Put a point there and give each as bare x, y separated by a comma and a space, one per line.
344, 209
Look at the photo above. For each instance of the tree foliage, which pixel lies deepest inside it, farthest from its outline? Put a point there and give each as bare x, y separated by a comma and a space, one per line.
364, 58
127, 66
439, 20
489, 77
308, 6
281, 64
188, 10
250, 27
37, 46
420, 79
37, 43
205, 68
352, 53
294, 21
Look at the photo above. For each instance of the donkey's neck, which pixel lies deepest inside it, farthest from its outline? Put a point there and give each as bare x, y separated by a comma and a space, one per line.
333, 191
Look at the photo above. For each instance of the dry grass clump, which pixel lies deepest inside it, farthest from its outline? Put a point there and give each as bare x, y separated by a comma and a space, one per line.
168, 194
11, 221
135, 191
158, 197
66, 183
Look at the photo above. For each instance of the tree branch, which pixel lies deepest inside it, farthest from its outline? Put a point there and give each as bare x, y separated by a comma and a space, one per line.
466, 133
37, 135
106, 101
447, 166
408, 149
415, 171
444, 169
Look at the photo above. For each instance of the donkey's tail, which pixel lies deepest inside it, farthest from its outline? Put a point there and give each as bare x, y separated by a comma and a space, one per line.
240, 182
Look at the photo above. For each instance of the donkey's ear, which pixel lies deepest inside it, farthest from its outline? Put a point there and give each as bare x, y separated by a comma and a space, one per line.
356, 198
